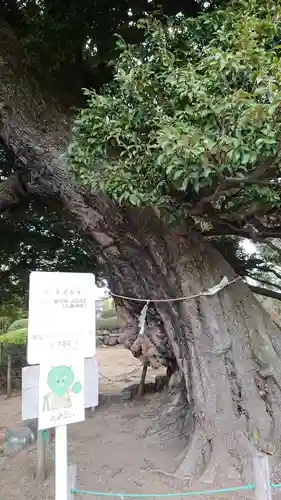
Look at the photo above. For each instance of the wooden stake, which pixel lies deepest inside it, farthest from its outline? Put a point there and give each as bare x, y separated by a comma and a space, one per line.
9, 377
262, 477
1, 352
61, 463
143, 377
71, 481
41, 457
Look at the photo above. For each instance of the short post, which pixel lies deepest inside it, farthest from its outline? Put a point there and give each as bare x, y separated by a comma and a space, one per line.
1, 352
71, 481
9, 377
262, 477
143, 377
41, 457
61, 463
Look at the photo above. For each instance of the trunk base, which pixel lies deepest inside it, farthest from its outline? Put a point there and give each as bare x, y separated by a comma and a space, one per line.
229, 455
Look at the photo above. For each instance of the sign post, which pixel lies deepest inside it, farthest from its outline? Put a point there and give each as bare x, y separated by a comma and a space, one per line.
61, 463
61, 334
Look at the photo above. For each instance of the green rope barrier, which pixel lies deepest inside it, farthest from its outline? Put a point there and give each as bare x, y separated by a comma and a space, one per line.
157, 495
160, 495
46, 437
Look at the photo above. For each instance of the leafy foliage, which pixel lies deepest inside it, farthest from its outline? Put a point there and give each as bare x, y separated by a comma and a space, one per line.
38, 241
10, 312
108, 313
75, 39
107, 323
193, 116
18, 336
35, 238
14, 346
19, 324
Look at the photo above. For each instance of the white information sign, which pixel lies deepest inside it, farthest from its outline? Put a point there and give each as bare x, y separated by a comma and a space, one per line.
30, 388
61, 394
61, 315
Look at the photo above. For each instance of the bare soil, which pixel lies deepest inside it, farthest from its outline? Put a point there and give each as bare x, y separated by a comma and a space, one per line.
116, 449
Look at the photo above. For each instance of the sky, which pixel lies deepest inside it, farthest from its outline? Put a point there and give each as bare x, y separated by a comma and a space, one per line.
248, 246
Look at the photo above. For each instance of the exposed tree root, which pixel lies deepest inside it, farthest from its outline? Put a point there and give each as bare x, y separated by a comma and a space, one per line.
229, 452
197, 457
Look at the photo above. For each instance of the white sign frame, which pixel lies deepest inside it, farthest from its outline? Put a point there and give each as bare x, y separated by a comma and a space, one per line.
61, 394
30, 388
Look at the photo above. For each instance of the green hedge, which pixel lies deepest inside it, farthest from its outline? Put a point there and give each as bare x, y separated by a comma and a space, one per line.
15, 342
108, 313
15, 337
107, 324
19, 324
17, 351
19, 336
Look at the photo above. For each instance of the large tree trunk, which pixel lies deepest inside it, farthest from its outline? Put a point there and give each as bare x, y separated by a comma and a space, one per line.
224, 349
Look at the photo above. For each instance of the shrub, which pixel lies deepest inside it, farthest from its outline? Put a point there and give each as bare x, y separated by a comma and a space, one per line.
13, 344
108, 313
107, 324
15, 337
19, 324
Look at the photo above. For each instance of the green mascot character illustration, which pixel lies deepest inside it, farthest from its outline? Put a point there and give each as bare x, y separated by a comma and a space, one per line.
60, 381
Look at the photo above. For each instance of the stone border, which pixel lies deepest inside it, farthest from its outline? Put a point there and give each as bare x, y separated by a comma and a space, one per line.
127, 394
131, 392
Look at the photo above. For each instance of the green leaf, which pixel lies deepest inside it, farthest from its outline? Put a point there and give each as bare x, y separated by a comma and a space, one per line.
170, 168
245, 157
178, 174
133, 199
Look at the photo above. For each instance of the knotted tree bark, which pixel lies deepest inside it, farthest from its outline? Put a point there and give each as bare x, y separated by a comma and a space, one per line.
224, 349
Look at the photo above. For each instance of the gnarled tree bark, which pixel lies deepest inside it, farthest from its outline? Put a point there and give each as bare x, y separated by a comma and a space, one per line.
225, 349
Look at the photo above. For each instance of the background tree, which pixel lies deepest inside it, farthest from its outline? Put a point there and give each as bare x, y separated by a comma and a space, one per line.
36, 237
182, 146
260, 266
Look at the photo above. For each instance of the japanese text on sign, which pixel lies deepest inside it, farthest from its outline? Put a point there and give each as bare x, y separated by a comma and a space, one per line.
61, 314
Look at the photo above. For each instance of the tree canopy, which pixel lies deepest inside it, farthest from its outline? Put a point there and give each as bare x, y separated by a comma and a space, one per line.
188, 121
191, 123
72, 42
75, 41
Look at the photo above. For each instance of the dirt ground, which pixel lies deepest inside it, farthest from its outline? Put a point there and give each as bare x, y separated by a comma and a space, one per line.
116, 449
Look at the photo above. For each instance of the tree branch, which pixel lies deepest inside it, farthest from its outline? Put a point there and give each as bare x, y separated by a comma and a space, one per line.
274, 247
261, 171
265, 292
270, 271
223, 228
228, 185
266, 282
